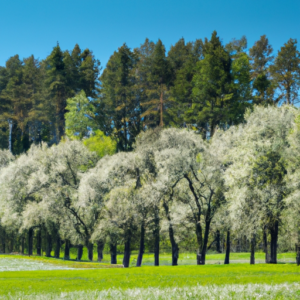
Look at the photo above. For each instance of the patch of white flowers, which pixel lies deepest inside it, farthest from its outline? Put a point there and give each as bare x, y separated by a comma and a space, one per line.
11, 264
233, 291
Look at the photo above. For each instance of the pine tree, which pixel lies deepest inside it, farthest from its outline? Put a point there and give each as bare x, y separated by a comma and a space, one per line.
261, 59
183, 58
213, 86
286, 72
118, 99
57, 90
157, 107
241, 73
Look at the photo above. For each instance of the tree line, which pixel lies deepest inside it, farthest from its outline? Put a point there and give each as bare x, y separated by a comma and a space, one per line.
201, 85
174, 187
187, 149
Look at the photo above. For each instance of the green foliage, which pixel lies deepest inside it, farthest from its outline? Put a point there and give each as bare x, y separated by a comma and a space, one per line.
213, 86
268, 169
80, 116
286, 72
261, 59
101, 144
119, 100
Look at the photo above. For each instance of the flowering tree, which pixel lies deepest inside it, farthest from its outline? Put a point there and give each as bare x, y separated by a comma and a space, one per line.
256, 176
40, 188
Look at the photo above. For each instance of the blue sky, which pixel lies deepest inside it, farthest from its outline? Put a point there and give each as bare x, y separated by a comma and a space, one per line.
34, 26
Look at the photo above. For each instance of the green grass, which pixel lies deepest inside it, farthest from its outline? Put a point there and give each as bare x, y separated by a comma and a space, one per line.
186, 258
57, 281
63, 263
148, 259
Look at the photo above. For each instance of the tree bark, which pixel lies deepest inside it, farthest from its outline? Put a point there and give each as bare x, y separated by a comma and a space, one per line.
175, 248
226, 262
126, 259
57, 246
252, 256
265, 238
3, 241
11, 244
218, 242
79, 252
156, 238
205, 241
161, 122
274, 240
90, 251
30, 241
113, 253
49, 244
100, 247
67, 250
22, 244
39, 242
142, 245
298, 254
199, 240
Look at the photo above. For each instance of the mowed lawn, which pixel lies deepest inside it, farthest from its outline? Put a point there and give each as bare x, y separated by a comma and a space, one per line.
57, 281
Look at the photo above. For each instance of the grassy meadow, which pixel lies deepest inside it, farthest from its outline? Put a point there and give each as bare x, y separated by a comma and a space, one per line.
91, 280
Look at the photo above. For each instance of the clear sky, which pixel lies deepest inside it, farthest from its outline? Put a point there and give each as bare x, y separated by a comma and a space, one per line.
34, 26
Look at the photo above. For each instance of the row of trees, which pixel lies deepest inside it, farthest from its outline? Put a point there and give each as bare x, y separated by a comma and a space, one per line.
244, 181
33, 95
201, 85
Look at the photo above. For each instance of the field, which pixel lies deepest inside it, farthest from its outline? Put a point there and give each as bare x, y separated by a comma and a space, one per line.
60, 279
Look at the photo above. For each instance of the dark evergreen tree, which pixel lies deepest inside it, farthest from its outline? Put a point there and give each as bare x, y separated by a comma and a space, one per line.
286, 72
213, 90
57, 90
118, 100
261, 59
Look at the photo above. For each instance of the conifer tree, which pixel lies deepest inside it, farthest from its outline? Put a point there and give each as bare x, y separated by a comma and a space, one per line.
118, 98
160, 76
286, 72
154, 77
183, 58
213, 88
261, 59
57, 90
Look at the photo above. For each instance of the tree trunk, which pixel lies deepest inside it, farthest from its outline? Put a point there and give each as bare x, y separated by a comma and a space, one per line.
199, 240
39, 242
265, 238
22, 244
100, 247
218, 242
12, 240
226, 262
10, 123
175, 248
30, 241
48, 245
113, 253
126, 259
274, 239
205, 241
57, 246
79, 252
161, 122
3, 241
90, 251
156, 238
298, 254
252, 256
142, 245
67, 250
